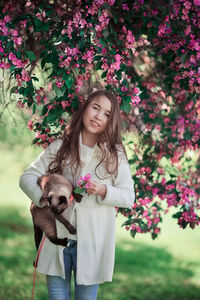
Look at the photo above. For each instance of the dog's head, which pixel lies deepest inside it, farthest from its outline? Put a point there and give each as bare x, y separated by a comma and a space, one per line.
56, 192
58, 203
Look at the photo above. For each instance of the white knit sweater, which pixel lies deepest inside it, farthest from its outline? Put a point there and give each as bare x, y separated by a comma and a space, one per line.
93, 217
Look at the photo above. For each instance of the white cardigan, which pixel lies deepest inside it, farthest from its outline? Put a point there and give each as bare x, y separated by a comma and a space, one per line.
95, 217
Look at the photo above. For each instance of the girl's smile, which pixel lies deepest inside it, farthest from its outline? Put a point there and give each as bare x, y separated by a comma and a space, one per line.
95, 124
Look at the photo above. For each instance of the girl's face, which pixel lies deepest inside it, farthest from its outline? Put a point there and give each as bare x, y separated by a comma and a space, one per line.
96, 115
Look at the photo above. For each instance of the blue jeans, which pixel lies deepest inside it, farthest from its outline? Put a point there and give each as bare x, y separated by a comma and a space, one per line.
59, 288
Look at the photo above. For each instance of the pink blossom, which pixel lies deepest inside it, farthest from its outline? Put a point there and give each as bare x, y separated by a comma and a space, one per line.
135, 90
105, 66
196, 2
163, 181
135, 100
89, 56
43, 137
130, 40
14, 32
79, 82
152, 116
176, 157
59, 83
50, 107
17, 40
125, 6
144, 201
115, 65
145, 213
111, 2
118, 57
51, 139
7, 19
155, 191
65, 104
37, 135
123, 89
30, 125
84, 182
25, 76
38, 98
156, 230
193, 59
103, 51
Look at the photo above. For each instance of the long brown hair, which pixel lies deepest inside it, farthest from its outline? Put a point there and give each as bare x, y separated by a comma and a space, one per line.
110, 142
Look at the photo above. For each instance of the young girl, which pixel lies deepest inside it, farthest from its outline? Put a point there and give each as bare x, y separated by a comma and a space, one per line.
91, 144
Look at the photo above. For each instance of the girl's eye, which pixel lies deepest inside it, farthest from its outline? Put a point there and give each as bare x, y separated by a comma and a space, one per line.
107, 115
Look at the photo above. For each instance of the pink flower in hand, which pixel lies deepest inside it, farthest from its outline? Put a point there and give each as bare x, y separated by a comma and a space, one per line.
83, 184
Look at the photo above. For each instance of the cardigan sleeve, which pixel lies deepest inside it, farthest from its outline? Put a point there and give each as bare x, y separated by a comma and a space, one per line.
28, 180
121, 194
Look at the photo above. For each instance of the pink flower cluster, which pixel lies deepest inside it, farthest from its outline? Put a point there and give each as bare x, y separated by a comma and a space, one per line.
83, 184
189, 217
84, 181
100, 39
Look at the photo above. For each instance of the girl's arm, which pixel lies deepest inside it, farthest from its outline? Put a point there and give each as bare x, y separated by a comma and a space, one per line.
28, 180
121, 194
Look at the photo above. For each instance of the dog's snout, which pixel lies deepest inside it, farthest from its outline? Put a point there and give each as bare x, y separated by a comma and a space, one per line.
62, 200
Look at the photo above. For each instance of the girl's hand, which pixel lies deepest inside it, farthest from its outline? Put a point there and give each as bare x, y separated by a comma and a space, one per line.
97, 188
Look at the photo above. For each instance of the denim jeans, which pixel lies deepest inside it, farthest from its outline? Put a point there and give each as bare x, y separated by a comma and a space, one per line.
59, 288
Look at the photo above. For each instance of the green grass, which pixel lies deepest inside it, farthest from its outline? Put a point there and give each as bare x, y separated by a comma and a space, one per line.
165, 269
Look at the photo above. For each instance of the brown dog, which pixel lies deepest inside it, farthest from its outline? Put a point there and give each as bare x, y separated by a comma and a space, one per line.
56, 194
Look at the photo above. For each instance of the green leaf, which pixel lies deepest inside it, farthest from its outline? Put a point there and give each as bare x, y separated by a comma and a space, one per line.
177, 215
97, 58
104, 74
44, 110
52, 116
69, 82
40, 26
12, 67
43, 63
78, 190
98, 65
106, 33
102, 42
126, 107
133, 233
34, 108
34, 78
57, 90
82, 33
30, 55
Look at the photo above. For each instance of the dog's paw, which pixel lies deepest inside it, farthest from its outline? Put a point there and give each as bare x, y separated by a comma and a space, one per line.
72, 230
65, 242
78, 197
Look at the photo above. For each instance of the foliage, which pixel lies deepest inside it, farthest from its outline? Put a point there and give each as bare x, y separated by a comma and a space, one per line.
147, 53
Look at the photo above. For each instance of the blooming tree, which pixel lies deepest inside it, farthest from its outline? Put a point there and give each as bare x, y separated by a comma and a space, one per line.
147, 53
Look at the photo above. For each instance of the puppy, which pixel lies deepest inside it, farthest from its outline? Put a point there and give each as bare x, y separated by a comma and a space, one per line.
56, 194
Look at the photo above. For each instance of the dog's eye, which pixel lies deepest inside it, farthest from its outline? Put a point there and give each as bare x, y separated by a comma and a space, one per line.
62, 199
49, 199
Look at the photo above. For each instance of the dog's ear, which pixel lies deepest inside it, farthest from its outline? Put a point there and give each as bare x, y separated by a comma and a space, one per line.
39, 180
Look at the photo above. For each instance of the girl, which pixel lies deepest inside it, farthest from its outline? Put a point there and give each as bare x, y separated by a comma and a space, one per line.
91, 144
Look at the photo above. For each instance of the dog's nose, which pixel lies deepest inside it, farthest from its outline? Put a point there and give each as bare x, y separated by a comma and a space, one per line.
62, 200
